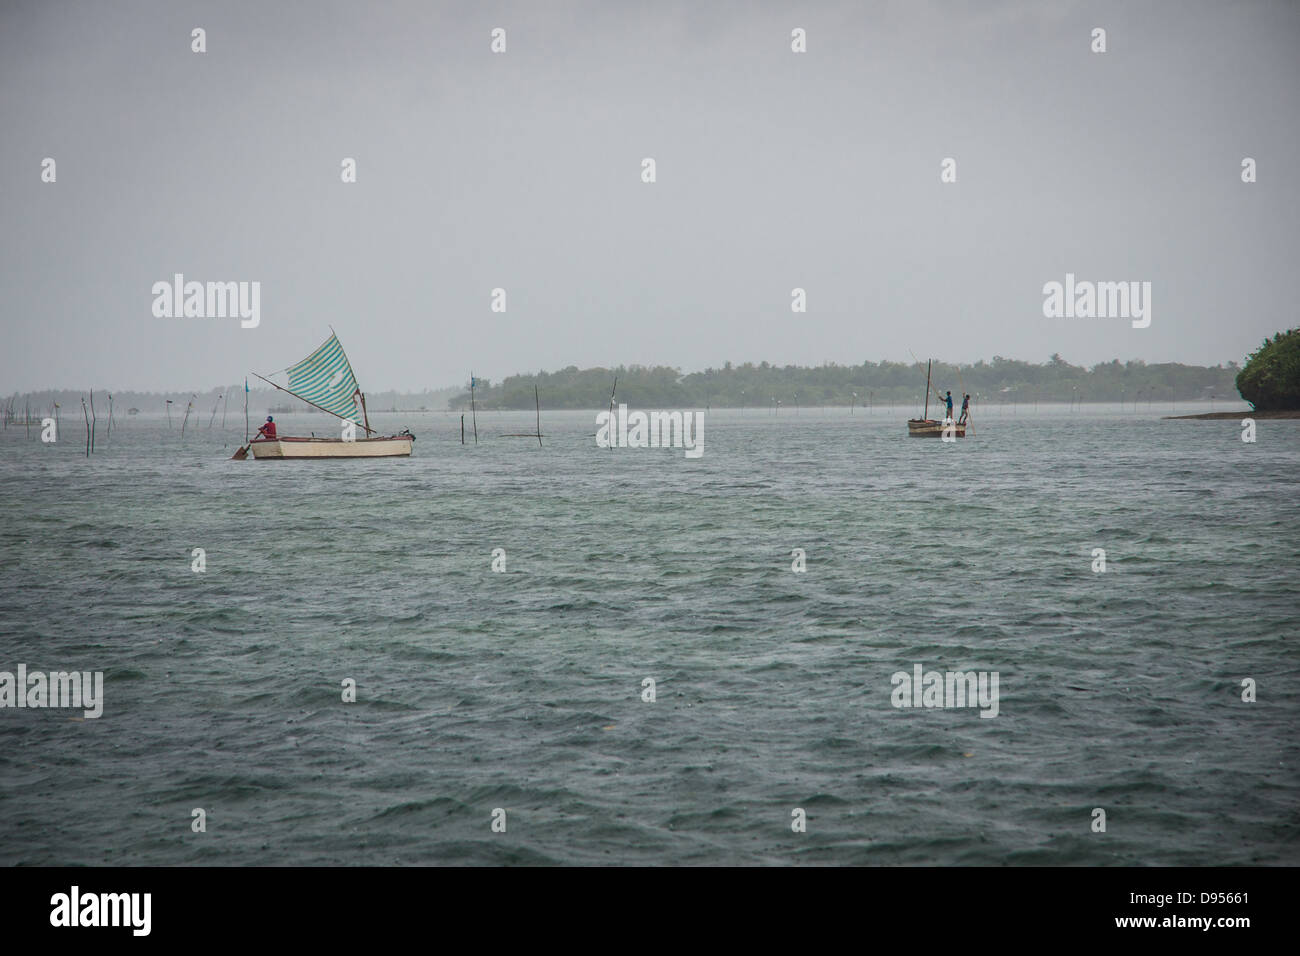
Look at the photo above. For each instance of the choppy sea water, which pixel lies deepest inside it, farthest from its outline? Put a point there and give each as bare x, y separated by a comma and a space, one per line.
522, 690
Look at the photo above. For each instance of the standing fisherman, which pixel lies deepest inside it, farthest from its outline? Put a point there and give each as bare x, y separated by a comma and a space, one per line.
965, 410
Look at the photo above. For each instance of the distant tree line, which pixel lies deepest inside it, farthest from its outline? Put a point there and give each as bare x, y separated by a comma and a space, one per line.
871, 383
764, 385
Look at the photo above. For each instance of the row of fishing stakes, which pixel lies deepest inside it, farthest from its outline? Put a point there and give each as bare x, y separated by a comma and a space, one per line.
92, 420
473, 409
189, 406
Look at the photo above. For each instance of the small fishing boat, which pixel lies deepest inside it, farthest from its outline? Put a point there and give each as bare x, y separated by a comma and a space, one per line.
929, 427
324, 380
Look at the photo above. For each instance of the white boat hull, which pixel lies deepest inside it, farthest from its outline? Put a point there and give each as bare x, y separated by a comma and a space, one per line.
281, 448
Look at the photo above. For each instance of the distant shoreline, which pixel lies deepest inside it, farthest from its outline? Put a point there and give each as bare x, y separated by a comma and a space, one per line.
1281, 413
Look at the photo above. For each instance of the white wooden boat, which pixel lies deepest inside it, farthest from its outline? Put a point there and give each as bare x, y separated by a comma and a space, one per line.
288, 447
324, 380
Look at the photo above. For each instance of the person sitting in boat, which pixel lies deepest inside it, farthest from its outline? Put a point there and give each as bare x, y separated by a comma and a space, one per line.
267, 431
965, 410
948, 399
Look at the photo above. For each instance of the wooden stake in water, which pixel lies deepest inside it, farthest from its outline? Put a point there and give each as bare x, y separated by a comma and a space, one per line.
538, 403
472, 411
611, 407
214, 412
93, 419
110, 416
85, 413
188, 406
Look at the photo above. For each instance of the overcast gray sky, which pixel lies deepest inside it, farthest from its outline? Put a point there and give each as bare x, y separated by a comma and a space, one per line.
522, 170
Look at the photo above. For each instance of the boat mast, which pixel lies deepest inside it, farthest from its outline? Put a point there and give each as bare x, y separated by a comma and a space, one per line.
926, 416
364, 413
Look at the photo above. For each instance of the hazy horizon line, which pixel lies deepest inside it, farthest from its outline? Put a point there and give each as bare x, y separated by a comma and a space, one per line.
625, 365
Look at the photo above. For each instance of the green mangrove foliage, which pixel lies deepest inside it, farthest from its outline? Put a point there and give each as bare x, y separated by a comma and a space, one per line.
871, 383
1270, 380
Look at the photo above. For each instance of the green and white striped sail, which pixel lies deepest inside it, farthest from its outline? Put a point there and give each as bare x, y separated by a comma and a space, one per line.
325, 378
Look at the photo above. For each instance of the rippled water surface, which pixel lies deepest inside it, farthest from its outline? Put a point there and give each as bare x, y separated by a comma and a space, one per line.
522, 690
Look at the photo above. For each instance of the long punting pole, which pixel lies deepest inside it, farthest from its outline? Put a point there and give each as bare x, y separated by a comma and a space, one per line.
301, 399
245, 411
926, 416
970, 422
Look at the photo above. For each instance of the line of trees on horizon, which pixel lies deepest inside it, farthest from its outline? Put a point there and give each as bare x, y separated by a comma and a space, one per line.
748, 385
871, 383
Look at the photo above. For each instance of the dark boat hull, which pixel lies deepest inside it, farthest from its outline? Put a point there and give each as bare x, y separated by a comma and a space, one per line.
930, 428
